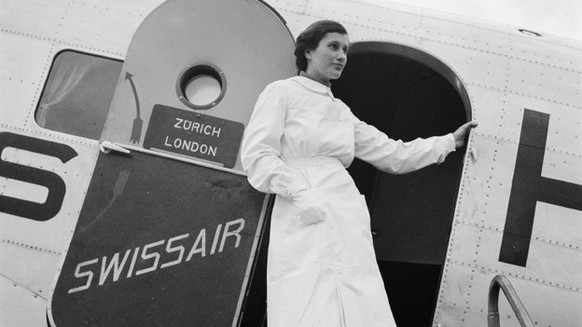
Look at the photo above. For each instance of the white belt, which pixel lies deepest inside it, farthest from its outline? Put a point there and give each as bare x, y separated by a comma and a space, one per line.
312, 162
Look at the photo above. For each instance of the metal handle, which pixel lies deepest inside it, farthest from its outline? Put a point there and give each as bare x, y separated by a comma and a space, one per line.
502, 282
107, 147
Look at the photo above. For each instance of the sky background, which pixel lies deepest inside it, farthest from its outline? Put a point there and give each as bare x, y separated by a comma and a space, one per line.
558, 17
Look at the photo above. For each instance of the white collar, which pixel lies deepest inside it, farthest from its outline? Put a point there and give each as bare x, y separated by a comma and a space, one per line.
314, 86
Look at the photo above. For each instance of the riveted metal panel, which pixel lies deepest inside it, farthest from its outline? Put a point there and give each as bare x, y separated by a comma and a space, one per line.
357, 32
480, 223
458, 293
563, 165
95, 21
34, 248
483, 195
490, 109
19, 306
369, 17
33, 19
563, 159
361, 34
487, 69
475, 244
287, 7
546, 302
481, 36
466, 299
549, 229
546, 50
564, 131
38, 256
545, 83
22, 81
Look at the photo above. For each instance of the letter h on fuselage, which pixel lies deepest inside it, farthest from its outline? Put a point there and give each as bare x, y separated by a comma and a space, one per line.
529, 186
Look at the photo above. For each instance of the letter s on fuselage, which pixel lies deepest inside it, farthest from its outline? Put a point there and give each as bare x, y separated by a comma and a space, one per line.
53, 182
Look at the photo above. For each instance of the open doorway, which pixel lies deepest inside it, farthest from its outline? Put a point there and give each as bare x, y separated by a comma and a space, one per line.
407, 94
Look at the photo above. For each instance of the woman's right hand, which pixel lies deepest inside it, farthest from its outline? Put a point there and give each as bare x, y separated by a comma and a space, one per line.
311, 211
462, 133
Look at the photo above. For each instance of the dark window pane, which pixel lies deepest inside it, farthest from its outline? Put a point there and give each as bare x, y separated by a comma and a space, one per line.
78, 93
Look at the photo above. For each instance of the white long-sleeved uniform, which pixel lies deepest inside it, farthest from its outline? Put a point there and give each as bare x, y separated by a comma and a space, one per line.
322, 269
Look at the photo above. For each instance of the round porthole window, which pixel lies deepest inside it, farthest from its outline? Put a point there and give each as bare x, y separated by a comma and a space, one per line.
201, 86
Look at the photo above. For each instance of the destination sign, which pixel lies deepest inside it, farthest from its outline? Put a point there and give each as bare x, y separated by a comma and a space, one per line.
194, 135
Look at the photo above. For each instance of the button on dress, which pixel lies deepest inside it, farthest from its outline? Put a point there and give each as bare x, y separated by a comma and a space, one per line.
322, 269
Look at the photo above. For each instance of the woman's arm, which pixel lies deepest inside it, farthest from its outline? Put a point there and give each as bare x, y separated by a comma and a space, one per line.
261, 147
400, 157
260, 156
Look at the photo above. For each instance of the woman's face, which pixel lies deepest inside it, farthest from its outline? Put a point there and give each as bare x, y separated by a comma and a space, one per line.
328, 60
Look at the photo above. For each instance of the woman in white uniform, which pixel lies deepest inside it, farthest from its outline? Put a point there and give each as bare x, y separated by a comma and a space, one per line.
322, 270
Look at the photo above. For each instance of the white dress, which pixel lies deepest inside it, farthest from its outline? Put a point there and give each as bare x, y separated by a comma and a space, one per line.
322, 269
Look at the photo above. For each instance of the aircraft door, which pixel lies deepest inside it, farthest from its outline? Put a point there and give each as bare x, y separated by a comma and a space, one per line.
191, 77
406, 94
170, 226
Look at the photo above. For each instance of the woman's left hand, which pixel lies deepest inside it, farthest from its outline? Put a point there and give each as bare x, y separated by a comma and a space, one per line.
462, 133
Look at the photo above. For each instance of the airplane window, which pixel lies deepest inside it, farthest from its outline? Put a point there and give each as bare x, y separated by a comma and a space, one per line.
202, 90
201, 86
77, 94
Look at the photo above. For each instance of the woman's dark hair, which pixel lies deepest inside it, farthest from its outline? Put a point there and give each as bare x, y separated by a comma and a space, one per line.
309, 39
